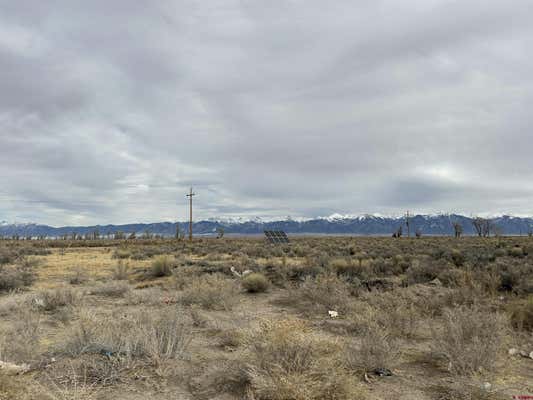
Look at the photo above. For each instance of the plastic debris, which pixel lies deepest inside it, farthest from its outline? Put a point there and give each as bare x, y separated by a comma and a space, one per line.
382, 372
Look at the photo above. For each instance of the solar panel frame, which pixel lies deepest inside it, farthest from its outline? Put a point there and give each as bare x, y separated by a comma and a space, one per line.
276, 237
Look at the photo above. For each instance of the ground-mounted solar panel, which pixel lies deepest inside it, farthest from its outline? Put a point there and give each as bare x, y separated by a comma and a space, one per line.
276, 237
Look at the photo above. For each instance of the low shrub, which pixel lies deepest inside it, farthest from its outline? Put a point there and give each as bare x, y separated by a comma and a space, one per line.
516, 252
121, 254
285, 361
255, 283
53, 299
212, 292
78, 277
471, 339
325, 292
377, 349
121, 271
158, 337
425, 270
161, 266
14, 277
521, 315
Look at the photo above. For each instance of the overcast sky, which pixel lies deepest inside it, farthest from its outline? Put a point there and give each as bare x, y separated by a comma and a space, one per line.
110, 110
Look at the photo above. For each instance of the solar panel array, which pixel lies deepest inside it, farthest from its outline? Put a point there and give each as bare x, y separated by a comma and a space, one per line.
276, 237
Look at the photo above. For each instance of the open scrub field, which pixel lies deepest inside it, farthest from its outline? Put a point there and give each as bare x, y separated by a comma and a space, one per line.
321, 318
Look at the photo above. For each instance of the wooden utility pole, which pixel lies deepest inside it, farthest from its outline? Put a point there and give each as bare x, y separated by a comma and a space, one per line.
190, 196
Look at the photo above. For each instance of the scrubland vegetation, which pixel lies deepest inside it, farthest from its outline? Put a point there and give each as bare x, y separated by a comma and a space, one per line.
320, 318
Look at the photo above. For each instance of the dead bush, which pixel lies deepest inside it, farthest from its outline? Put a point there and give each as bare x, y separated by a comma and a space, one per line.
285, 361
255, 283
158, 337
53, 299
325, 292
521, 315
395, 313
375, 349
78, 277
121, 271
470, 339
14, 277
20, 342
212, 292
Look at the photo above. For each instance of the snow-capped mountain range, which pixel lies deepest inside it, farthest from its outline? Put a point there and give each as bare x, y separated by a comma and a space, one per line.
369, 224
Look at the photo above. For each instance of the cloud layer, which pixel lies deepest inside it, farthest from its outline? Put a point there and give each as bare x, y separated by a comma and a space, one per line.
109, 111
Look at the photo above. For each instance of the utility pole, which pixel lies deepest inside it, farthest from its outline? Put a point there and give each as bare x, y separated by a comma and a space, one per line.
190, 196
407, 223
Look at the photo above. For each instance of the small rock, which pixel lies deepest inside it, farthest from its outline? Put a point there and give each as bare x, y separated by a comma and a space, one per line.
531, 355
513, 352
333, 314
486, 386
435, 282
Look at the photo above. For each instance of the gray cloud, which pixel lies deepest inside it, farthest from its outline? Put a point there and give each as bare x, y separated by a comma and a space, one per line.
109, 111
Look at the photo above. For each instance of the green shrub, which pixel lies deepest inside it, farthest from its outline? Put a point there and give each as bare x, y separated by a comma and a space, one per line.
516, 252
255, 283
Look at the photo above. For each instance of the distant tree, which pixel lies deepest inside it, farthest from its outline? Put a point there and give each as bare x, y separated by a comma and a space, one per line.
487, 227
398, 233
418, 233
132, 236
220, 232
458, 229
478, 224
179, 234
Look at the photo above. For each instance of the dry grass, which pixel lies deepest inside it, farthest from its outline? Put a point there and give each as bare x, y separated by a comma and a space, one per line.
111, 289
287, 362
158, 337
